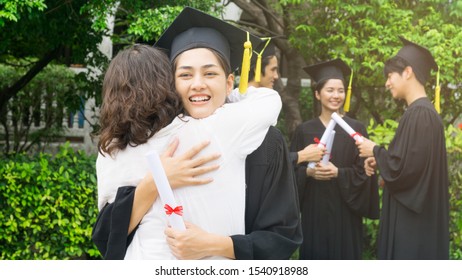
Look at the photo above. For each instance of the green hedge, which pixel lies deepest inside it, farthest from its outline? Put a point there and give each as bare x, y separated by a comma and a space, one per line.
383, 134
48, 206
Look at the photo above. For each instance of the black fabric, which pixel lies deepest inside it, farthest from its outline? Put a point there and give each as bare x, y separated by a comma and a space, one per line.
332, 211
293, 158
272, 221
418, 57
111, 228
332, 69
195, 29
415, 207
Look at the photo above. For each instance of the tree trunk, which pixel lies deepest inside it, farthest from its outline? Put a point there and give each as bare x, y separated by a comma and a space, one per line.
7, 93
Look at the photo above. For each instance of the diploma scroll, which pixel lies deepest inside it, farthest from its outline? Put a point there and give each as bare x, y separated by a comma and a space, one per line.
347, 128
330, 142
172, 209
325, 137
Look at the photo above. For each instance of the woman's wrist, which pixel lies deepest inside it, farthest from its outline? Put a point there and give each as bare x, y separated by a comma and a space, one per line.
221, 246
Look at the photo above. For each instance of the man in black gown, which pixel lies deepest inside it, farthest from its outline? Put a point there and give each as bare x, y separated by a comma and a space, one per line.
415, 212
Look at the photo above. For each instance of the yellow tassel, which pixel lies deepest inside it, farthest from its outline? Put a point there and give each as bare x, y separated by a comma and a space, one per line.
258, 69
244, 80
258, 63
346, 106
437, 92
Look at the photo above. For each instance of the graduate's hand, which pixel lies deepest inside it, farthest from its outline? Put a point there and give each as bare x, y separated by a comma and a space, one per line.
195, 243
366, 148
183, 170
325, 172
370, 165
309, 172
311, 153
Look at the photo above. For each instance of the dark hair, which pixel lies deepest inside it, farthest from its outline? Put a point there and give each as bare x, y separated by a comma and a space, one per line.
224, 63
397, 64
264, 62
318, 86
139, 98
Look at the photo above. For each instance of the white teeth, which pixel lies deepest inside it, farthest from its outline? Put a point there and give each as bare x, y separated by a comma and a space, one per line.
199, 98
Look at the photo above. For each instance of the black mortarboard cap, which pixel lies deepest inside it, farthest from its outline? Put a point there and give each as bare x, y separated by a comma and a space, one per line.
195, 29
268, 50
332, 69
420, 59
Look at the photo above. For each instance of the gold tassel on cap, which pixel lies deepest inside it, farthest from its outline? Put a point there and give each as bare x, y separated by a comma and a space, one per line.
258, 68
258, 63
437, 92
244, 80
346, 106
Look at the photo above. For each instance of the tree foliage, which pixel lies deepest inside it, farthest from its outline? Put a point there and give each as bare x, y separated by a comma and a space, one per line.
364, 34
11, 10
60, 33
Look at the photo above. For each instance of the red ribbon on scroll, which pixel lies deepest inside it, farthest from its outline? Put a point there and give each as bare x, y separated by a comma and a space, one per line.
316, 140
177, 210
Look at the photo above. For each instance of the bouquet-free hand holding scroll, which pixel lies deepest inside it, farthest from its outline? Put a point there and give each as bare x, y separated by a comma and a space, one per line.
324, 139
330, 142
358, 137
173, 211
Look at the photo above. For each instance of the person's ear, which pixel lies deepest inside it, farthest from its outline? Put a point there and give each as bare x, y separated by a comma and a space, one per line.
317, 95
229, 84
408, 72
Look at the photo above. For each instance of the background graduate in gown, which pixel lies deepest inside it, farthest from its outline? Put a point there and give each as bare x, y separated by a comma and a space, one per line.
333, 198
415, 211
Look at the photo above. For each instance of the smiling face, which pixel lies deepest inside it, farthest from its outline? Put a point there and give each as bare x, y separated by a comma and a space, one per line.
394, 84
201, 82
332, 95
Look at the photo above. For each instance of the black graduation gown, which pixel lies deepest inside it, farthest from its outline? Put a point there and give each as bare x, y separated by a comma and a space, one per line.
415, 209
272, 222
332, 211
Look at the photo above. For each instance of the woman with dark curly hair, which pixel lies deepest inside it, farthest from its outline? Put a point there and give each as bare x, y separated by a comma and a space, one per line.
138, 101
132, 110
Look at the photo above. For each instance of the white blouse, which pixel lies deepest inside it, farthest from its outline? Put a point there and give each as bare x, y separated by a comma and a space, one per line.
235, 130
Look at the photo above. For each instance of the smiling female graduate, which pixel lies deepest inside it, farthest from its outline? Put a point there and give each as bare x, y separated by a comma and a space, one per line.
203, 59
335, 197
272, 224
414, 223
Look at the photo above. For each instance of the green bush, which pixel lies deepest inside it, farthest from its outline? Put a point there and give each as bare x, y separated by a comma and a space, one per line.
48, 206
382, 135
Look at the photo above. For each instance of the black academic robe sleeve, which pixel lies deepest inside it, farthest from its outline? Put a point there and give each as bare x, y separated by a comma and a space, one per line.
272, 221
111, 227
299, 142
359, 191
293, 158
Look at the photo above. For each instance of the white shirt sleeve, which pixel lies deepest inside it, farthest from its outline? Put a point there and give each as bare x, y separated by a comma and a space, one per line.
247, 121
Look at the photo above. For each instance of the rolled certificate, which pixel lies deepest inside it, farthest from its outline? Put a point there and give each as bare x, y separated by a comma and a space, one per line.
324, 138
347, 127
172, 209
330, 142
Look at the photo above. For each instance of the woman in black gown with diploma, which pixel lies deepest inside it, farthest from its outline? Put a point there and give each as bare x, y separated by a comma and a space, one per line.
334, 197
